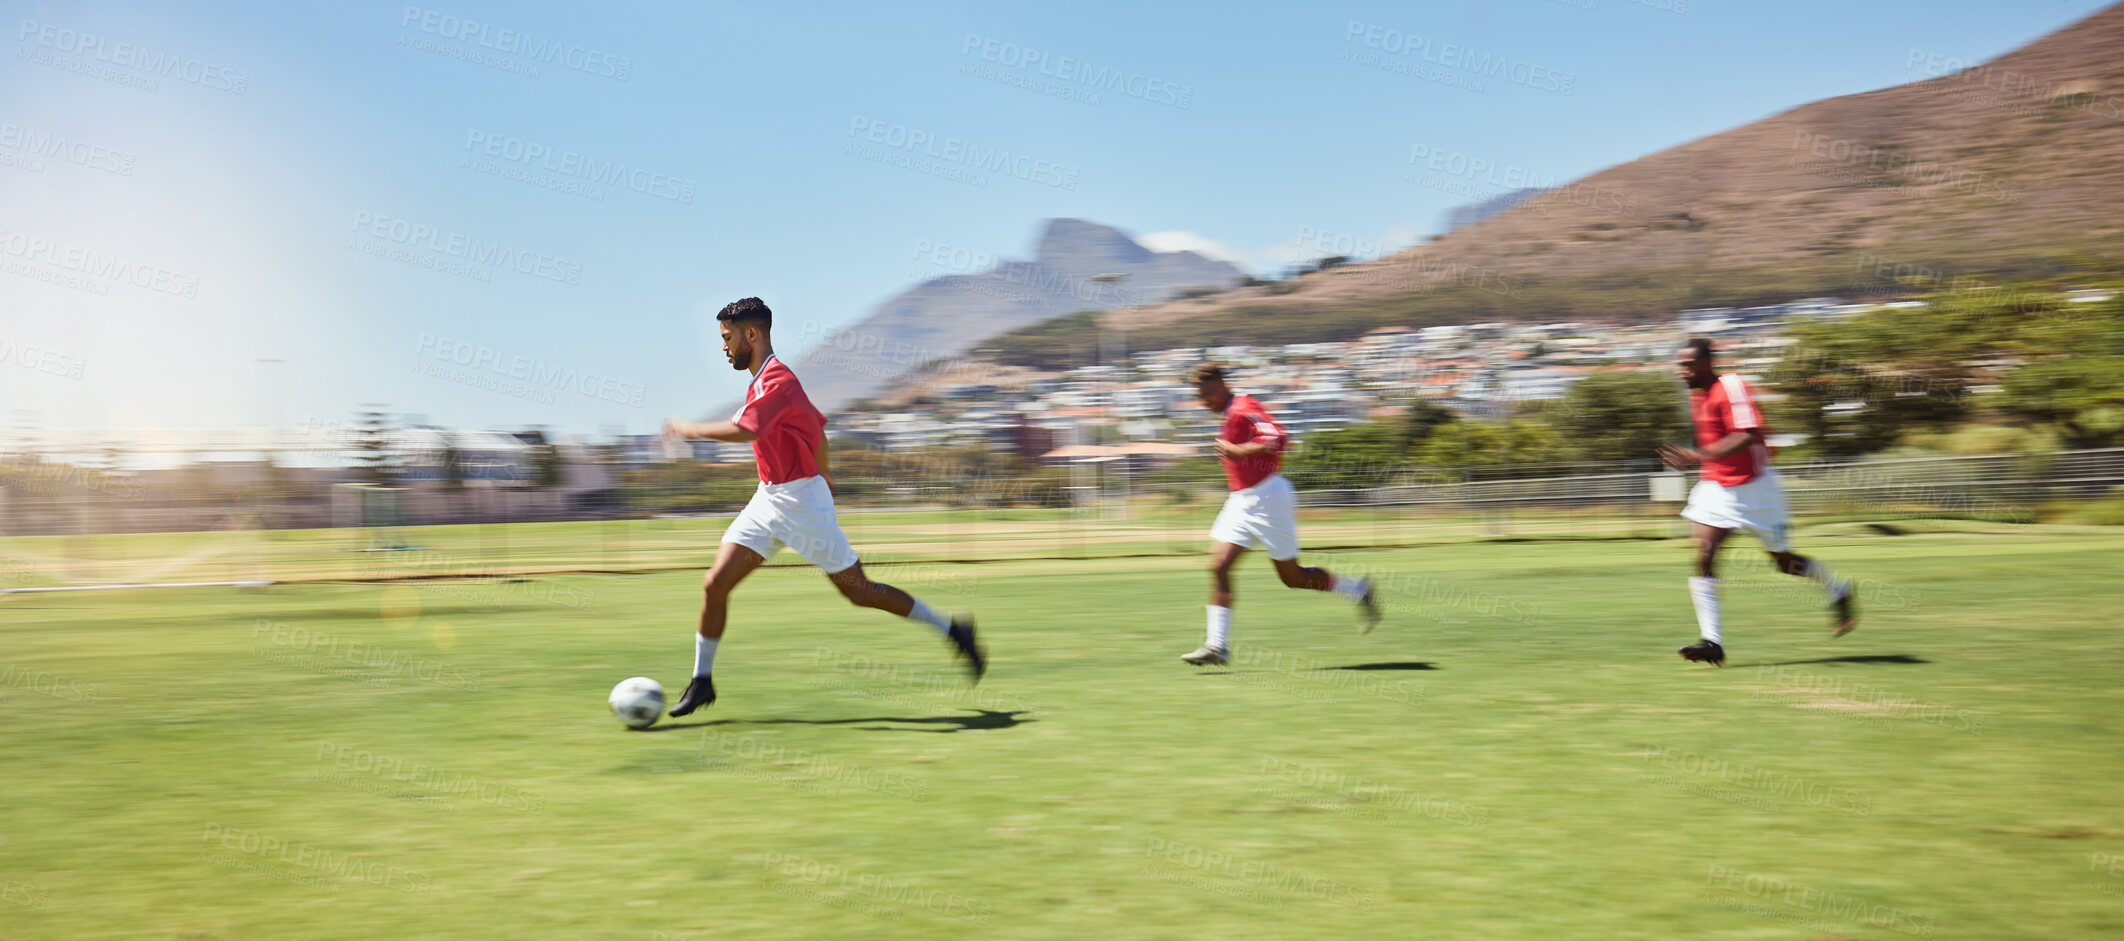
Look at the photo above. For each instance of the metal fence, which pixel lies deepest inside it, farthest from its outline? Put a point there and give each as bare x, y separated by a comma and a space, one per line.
1995, 487
78, 538
2001, 487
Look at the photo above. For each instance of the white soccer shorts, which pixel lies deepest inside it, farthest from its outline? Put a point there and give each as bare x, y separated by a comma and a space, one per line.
1263, 516
1757, 506
798, 514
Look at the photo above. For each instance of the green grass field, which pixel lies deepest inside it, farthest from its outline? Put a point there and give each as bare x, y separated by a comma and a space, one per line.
1516, 753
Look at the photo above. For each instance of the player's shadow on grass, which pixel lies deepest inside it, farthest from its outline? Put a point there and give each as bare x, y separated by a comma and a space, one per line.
1396, 665
982, 720
1855, 658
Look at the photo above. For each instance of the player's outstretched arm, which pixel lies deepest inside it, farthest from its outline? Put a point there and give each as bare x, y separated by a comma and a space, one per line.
1679, 457
716, 430
1235, 451
1745, 437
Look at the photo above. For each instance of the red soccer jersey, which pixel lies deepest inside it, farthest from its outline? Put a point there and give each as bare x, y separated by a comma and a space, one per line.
1244, 421
789, 427
1729, 406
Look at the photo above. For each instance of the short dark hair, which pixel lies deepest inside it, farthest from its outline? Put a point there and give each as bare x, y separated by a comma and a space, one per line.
1702, 346
748, 310
1209, 371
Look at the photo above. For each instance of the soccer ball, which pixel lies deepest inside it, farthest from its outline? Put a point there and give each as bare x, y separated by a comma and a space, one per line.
638, 702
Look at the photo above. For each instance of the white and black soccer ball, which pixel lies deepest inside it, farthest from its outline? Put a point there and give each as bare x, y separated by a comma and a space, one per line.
638, 702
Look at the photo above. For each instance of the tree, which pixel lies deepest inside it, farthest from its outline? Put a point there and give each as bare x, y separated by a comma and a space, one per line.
1618, 416
1360, 455
1367, 454
1491, 443
1424, 417
1861, 384
1850, 400
2071, 375
2082, 398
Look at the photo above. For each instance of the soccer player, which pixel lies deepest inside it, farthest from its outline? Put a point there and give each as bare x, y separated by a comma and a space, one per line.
794, 505
1738, 490
1261, 513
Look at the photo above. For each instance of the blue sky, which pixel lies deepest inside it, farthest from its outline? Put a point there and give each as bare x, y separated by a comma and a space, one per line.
498, 215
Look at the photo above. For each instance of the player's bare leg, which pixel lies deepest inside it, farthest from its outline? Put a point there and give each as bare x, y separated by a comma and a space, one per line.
732, 563
1709, 539
1843, 601
857, 586
1357, 590
1216, 650
1298, 576
1703, 593
1224, 557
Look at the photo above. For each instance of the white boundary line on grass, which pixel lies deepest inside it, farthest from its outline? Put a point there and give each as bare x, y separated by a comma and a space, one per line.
248, 584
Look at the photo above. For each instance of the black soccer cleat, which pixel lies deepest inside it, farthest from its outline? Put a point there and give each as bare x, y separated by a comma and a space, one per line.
1705, 651
1845, 610
962, 637
700, 692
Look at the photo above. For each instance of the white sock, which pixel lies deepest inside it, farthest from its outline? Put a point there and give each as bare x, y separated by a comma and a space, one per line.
1704, 592
703, 655
1220, 628
1352, 589
1820, 575
922, 613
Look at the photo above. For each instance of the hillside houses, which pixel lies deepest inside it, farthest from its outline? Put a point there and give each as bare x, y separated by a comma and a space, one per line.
1483, 369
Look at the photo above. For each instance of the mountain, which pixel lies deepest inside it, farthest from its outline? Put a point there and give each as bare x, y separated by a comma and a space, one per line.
1460, 217
1071, 271
2014, 168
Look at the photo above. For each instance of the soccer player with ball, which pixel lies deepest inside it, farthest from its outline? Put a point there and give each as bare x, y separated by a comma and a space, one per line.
794, 505
1738, 490
1261, 513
